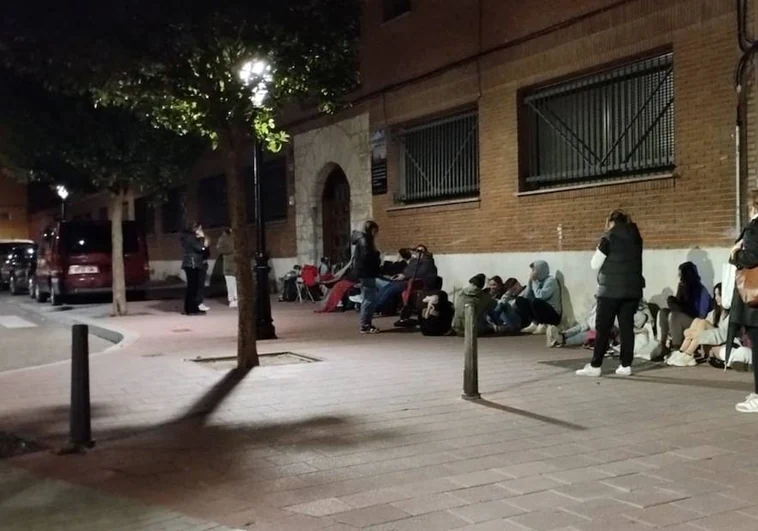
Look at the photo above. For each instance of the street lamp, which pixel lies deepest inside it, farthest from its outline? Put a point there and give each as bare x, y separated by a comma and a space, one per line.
63, 194
256, 74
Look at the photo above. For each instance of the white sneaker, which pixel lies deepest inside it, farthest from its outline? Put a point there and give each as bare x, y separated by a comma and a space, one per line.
356, 299
203, 308
680, 359
624, 371
541, 330
529, 329
234, 304
750, 405
589, 370
553, 336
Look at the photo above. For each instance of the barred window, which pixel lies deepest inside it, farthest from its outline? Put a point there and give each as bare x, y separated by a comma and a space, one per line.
439, 159
601, 127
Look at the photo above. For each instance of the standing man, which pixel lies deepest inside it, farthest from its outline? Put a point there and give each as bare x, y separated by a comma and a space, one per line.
366, 262
225, 248
194, 249
618, 260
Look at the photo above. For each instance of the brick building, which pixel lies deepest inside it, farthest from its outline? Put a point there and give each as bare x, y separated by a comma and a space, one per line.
13, 208
498, 131
511, 130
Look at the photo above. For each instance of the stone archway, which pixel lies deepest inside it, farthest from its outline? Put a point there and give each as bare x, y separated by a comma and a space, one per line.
344, 145
335, 215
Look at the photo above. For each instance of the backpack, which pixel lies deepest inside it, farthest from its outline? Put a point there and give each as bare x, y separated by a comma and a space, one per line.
704, 303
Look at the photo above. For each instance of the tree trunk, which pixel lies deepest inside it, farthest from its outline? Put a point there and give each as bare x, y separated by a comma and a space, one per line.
247, 350
117, 256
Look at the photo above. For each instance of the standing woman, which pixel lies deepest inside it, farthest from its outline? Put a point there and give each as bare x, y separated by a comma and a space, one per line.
194, 250
618, 260
744, 255
366, 261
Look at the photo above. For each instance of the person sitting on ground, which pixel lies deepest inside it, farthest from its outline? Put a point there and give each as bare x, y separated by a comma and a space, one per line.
710, 332
473, 294
575, 336
540, 302
503, 317
436, 317
397, 266
420, 267
495, 287
692, 301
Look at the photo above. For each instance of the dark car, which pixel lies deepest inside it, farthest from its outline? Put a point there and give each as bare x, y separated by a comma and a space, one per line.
15, 258
74, 258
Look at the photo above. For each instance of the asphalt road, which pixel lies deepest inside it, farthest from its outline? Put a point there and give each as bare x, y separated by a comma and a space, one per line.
28, 339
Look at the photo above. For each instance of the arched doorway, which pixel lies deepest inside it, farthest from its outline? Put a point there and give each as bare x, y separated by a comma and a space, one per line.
336, 216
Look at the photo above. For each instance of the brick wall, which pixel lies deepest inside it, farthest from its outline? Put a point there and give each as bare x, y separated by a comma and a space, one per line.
696, 207
13, 208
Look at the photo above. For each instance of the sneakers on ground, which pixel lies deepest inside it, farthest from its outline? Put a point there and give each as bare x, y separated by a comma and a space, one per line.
369, 330
203, 308
680, 359
529, 329
234, 304
750, 405
541, 330
554, 337
589, 370
624, 371
356, 299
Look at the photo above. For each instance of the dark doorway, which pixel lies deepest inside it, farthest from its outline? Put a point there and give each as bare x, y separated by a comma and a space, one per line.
336, 217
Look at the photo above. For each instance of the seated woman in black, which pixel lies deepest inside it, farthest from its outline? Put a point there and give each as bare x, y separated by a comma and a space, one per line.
436, 315
692, 301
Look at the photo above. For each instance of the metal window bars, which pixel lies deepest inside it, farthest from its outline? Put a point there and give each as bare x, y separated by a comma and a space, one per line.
440, 159
601, 127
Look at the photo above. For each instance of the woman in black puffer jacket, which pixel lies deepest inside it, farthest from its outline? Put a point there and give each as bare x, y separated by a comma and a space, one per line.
194, 253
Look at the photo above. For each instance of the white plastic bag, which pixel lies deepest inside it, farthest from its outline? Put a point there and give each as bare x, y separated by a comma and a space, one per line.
728, 273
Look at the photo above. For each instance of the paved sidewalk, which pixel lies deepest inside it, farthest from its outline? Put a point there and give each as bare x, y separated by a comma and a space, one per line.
375, 435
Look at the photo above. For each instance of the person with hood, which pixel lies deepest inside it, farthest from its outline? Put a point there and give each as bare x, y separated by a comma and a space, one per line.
194, 253
367, 265
225, 248
436, 316
474, 294
618, 260
420, 267
692, 301
540, 303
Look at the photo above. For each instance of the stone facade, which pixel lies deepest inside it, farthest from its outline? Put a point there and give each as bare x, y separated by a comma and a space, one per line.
317, 153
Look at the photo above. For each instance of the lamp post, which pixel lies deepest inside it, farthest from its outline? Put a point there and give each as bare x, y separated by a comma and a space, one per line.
256, 75
63, 194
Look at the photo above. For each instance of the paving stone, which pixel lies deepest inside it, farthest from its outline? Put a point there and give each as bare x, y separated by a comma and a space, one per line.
649, 497
548, 520
429, 503
531, 484
542, 500
323, 507
438, 521
731, 521
579, 475
712, 504
482, 493
634, 481
475, 479
600, 508
491, 510
378, 514
663, 515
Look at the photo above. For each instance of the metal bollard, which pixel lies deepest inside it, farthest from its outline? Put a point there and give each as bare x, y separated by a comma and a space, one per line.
471, 362
80, 423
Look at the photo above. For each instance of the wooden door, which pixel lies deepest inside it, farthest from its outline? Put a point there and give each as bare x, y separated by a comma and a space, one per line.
336, 217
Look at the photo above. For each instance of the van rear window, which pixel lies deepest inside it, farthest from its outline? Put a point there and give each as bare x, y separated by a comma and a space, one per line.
96, 238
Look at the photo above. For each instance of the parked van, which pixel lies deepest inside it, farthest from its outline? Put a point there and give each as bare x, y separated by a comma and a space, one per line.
74, 258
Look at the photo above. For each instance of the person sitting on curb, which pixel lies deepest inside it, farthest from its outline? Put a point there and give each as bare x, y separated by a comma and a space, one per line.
473, 294
577, 335
540, 303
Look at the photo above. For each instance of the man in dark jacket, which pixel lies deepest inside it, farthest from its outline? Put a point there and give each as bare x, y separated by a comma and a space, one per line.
420, 267
620, 283
367, 265
194, 253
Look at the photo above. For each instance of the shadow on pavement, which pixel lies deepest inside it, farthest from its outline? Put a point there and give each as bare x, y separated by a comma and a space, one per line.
530, 415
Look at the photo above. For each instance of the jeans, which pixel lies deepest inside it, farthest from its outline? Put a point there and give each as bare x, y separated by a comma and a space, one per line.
505, 315
382, 283
190, 293
368, 305
231, 288
607, 312
537, 311
673, 323
389, 294
576, 336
